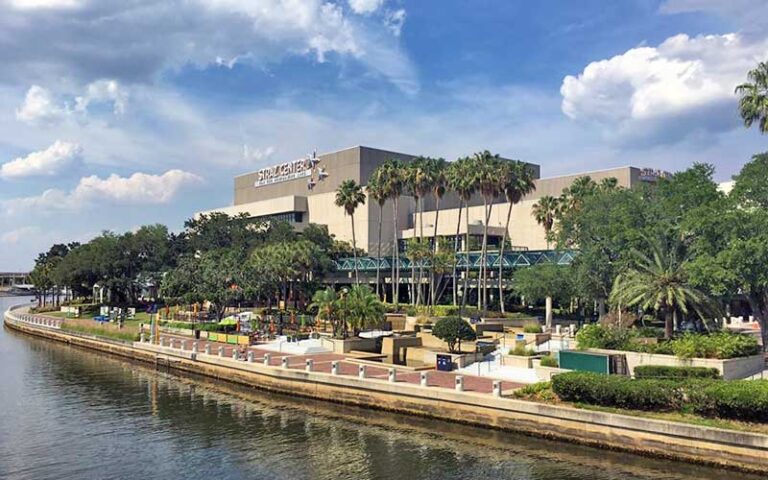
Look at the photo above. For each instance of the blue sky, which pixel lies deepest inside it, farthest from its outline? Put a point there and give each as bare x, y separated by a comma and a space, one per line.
115, 114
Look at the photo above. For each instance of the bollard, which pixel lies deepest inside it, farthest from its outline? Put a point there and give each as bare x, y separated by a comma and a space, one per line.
572, 330
183, 344
250, 357
558, 329
497, 388
423, 378
284, 362
361, 371
459, 383
391, 375
266, 358
308, 366
235, 354
207, 349
221, 351
142, 337
195, 347
335, 368
162, 341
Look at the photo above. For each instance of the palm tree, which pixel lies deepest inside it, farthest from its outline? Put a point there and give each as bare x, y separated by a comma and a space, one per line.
377, 192
487, 168
419, 182
462, 180
516, 182
327, 305
753, 104
544, 211
392, 179
659, 282
439, 184
362, 308
349, 196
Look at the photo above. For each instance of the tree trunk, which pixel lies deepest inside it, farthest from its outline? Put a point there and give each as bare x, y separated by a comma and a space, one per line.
466, 259
548, 314
354, 248
378, 256
483, 244
396, 264
420, 209
432, 279
501, 257
668, 323
759, 305
455, 258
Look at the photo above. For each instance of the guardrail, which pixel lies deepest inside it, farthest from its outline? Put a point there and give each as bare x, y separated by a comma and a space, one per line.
32, 319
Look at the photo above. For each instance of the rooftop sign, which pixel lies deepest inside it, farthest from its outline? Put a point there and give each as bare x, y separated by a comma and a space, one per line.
285, 171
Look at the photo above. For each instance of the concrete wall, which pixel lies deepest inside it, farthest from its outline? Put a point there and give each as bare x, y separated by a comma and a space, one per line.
726, 448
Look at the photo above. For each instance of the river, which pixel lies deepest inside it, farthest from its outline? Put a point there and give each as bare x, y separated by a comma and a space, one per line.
67, 413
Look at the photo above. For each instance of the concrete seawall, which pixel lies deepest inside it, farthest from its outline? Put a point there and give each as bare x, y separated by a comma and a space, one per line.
726, 448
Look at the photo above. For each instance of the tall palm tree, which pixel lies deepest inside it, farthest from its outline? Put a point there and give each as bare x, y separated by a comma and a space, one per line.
439, 184
378, 193
753, 104
392, 178
487, 167
419, 182
462, 179
659, 282
349, 196
516, 182
544, 212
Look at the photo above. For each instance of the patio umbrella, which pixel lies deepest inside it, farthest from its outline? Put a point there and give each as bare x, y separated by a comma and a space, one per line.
228, 321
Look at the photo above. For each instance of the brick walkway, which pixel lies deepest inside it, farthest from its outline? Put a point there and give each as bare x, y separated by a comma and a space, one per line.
321, 362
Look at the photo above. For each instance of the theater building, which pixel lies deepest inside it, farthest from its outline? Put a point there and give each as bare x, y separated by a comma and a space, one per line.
303, 191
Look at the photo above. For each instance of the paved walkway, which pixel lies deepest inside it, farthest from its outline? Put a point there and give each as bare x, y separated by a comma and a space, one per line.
321, 362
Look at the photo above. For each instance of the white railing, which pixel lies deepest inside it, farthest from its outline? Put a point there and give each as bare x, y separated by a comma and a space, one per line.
30, 319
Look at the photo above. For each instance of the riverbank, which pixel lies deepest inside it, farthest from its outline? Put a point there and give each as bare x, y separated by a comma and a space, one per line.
738, 450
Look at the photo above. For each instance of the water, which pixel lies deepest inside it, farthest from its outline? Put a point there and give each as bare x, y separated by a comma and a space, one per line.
66, 413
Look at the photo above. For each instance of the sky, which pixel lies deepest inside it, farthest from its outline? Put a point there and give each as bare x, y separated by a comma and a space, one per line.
120, 113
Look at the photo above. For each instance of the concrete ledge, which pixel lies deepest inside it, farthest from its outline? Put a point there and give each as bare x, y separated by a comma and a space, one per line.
738, 450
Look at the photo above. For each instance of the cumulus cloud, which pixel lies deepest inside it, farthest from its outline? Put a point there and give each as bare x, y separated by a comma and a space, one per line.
39, 107
647, 91
134, 42
48, 162
138, 189
365, 6
108, 91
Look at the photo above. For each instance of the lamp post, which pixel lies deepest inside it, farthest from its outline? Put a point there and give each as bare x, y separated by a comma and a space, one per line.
344, 292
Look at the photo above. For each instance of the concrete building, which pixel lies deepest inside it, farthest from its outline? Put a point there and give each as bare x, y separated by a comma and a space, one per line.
303, 192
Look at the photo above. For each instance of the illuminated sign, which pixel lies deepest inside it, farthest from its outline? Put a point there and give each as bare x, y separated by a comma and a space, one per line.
652, 175
286, 171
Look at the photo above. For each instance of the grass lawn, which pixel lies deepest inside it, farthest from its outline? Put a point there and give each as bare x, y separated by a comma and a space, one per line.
126, 334
543, 393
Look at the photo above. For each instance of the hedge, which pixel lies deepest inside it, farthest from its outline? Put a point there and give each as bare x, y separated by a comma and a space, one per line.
618, 391
663, 371
745, 400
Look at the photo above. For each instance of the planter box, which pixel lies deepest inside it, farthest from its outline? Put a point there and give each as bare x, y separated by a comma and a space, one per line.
519, 361
349, 344
535, 338
545, 374
459, 360
730, 369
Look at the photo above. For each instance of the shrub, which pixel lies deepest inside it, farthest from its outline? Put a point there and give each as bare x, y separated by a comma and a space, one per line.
453, 330
716, 345
650, 332
598, 336
618, 391
663, 371
536, 391
549, 361
532, 328
737, 399
521, 351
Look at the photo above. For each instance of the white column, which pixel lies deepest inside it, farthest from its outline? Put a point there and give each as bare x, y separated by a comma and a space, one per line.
195, 347
423, 379
266, 358
221, 351
334, 368
235, 354
308, 366
459, 383
361, 371
497, 388
284, 362
250, 357
391, 375
207, 349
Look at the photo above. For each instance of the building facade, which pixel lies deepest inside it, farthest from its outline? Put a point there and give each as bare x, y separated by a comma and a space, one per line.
303, 191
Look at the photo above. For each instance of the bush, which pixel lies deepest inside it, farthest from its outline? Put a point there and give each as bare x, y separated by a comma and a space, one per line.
453, 330
662, 371
535, 391
619, 391
737, 399
549, 361
720, 345
598, 336
532, 328
521, 351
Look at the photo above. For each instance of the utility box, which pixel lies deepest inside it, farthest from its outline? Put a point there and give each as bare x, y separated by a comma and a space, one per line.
593, 362
444, 363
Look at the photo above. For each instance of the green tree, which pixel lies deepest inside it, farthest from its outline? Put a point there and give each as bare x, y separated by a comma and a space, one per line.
349, 196
453, 330
750, 188
516, 182
753, 97
462, 180
392, 177
326, 302
439, 185
660, 282
487, 167
362, 309
545, 282
377, 191
544, 212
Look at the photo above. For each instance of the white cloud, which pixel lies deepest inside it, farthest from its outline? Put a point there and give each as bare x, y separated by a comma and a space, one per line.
365, 6
135, 42
394, 20
108, 91
646, 91
45, 4
19, 234
257, 154
39, 107
50, 161
138, 189
752, 14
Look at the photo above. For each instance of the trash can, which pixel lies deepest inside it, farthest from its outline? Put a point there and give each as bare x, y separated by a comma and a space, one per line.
197, 334
444, 363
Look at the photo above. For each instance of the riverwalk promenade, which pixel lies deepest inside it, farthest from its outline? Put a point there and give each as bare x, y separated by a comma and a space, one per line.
440, 395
